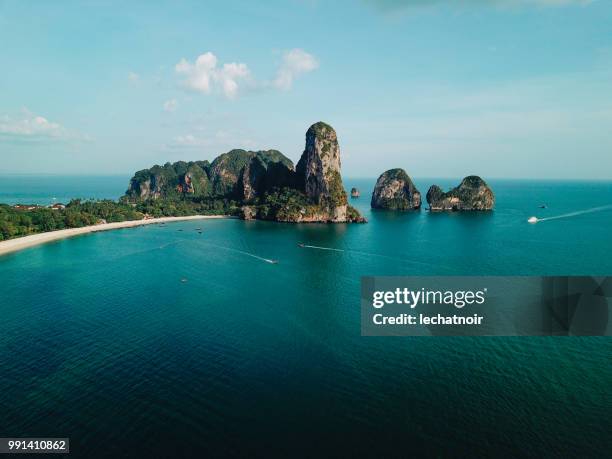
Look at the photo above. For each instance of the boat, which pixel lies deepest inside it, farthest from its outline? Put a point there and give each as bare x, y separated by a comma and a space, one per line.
532, 220
543, 206
300, 244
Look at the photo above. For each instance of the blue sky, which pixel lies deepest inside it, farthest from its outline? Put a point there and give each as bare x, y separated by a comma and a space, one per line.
499, 88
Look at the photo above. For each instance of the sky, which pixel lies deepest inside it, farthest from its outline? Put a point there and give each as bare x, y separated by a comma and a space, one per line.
440, 88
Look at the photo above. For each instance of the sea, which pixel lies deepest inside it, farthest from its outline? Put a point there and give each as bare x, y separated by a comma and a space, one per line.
159, 341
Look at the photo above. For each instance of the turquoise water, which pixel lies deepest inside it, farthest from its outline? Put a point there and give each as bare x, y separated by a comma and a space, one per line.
48, 189
169, 342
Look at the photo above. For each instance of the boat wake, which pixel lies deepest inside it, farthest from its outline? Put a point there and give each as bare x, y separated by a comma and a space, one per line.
267, 260
571, 214
305, 246
370, 254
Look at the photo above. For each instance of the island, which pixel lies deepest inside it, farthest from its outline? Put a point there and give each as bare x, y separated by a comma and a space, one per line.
394, 190
355, 193
262, 185
473, 193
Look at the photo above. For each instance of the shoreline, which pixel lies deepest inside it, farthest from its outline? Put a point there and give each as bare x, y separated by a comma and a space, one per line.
32, 240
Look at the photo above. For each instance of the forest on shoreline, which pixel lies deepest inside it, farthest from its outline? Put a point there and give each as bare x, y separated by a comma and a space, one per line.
23, 220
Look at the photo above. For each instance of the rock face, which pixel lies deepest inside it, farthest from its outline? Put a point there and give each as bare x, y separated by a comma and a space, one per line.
394, 190
226, 169
318, 172
472, 194
170, 179
237, 174
194, 181
264, 172
355, 193
248, 213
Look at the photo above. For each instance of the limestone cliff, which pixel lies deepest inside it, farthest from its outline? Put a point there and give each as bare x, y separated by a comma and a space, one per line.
264, 184
226, 169
473, 193
394, 190
170, 179
194, 180
237, 174
318, 172
265, 171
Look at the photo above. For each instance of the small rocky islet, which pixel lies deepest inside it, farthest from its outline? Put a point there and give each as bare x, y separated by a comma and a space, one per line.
395, 190
473, 193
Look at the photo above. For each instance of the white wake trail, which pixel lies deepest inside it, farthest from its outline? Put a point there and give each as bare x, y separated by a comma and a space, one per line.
370, 254
267, 260
574, 214
248, 254
321, 248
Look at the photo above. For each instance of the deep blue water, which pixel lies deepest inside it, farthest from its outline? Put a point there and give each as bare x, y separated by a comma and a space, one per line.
169, 342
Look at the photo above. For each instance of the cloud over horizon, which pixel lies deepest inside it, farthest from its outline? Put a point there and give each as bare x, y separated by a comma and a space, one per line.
205, 76
295, 63
31, 128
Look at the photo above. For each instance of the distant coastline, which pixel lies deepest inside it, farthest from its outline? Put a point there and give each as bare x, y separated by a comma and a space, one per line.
20, 243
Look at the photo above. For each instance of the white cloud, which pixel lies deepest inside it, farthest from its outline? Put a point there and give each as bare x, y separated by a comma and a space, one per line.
31, 127
133, 77
170, 105
295, 63
216, 141
204, 76
189, 140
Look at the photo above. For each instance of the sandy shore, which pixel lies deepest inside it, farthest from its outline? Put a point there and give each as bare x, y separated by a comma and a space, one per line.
20, 243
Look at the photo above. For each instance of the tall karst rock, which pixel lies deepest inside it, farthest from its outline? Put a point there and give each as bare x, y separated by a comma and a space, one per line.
318, 172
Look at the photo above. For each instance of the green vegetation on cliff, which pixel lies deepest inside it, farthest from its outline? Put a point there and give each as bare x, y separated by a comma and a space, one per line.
223, 178
171, 180
337, 193
225, 171
320, 128
291, 205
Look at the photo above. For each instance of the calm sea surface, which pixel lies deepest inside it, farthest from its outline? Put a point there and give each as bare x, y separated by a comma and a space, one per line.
48, 189
165, 342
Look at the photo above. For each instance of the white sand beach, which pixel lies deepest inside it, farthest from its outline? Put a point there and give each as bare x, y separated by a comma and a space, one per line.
13, 245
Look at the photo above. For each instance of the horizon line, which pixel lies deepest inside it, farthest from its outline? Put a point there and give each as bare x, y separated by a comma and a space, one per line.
346, 177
